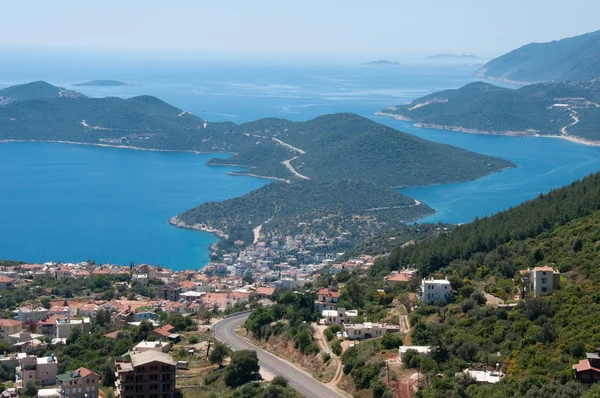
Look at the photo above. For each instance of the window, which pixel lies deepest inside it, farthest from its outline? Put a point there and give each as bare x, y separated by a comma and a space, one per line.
544, 289
544, 280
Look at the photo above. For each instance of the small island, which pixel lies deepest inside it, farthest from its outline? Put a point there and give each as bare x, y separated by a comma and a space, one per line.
382, 62
103, 83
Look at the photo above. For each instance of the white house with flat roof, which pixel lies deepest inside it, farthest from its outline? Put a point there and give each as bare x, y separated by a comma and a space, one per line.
338, 316
435, 289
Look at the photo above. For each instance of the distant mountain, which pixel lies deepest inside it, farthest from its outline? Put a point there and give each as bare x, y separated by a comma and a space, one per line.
102, 83
569, 109
382, 62
575, 58
453, 56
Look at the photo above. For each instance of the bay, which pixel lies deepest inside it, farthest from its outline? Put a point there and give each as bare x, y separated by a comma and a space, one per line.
73, 203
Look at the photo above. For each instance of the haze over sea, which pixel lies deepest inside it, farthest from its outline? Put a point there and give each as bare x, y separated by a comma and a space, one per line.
73, 203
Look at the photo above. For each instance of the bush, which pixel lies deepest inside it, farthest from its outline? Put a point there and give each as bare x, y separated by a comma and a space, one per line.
326, 357
336, 347
193, 339
212, 377
390, 341
280, 381
411, 359
329, 335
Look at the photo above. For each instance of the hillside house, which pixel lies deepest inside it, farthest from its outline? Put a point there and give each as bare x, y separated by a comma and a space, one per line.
338, 316
6, 283
327, 299
588, 369
79, 383
435, 289
541, 280
368, 330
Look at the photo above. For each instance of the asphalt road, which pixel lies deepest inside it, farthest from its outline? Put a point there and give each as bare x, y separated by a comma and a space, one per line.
300, 380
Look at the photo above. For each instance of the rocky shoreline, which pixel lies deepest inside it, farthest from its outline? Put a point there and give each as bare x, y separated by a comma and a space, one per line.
177, 222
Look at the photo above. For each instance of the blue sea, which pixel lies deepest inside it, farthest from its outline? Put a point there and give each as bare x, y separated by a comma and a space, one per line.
73, 202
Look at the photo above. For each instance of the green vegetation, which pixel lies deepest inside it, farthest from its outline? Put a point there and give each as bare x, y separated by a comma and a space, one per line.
574, 58
526, 111
363, 364
244, 364
326, 209
530, 219
289, 318
536, 342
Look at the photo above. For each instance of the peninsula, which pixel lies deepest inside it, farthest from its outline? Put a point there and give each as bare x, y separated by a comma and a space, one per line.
382, 62
333, 174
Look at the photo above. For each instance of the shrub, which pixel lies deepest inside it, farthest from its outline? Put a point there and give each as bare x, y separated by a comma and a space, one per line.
280, 381
336, 347
193, 339
326, 357
390, 341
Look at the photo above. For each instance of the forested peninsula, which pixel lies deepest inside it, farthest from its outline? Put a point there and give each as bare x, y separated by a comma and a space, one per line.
336, 171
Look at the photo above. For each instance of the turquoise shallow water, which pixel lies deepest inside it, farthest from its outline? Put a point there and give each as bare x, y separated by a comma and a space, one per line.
73, 203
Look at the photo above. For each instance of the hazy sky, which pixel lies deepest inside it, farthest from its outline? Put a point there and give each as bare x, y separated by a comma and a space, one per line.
296, 26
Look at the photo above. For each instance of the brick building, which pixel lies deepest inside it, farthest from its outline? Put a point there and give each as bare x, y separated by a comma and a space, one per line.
149, 374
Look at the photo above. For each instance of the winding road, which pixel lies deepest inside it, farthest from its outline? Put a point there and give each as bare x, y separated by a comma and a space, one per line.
300, 380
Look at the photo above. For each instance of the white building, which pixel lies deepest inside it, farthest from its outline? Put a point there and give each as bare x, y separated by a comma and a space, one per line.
542, 280
31, 314
435, 289
368, 330
338, 316
421, 349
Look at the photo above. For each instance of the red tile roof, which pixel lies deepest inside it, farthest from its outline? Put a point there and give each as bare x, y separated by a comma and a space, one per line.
165, 330
267, 291
327, 292
9, 322
112, 335
6, 279
584, 365
85, 372
546, 268
399, 277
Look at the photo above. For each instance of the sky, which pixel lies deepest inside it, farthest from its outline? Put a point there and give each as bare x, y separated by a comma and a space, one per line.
333, 27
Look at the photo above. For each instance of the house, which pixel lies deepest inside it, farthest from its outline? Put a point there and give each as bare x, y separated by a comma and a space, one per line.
31, 314
421, 349
165, 332
541, 280
265, 292
327, 299
188, 286
338, 316
396, 277
80, 273
435, 289
78, 383
8, 327
147, 374
145, 316
485, 376
64, 326
368, 330
26, 342
42, 369
171, 291
6, 283
588, 370
158, 346
62, 272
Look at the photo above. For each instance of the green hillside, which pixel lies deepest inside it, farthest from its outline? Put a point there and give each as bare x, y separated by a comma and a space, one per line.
537, 342
325, 208
529, 110
574, 58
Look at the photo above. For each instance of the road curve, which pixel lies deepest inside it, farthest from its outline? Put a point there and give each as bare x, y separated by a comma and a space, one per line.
300, 380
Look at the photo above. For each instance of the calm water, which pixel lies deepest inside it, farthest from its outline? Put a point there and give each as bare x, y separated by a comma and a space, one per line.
71, 203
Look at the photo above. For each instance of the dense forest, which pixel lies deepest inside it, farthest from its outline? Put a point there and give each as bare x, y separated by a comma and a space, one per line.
528, 110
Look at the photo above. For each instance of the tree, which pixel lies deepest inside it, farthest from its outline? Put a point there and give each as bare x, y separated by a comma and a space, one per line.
280, 381
248, 277
390, 341
243, 364
31, 389
218, 354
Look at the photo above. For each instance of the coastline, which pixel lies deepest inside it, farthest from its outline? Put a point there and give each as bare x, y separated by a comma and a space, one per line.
135, 148
176, 222
571, 138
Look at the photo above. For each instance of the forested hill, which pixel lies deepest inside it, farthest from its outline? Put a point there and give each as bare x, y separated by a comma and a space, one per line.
574, 58
527, 220
537, 341
564, 108
331, 147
